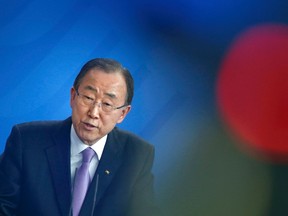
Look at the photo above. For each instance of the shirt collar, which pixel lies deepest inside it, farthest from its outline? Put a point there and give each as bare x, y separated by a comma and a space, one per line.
78, 146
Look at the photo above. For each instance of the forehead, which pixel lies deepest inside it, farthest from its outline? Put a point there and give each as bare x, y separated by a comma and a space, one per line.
103, 81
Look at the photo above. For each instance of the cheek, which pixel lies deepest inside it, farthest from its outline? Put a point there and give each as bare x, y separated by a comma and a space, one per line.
109, 120
119, 119
77, 112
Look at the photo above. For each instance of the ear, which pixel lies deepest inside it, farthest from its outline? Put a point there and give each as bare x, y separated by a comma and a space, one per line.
72, 96
124, 112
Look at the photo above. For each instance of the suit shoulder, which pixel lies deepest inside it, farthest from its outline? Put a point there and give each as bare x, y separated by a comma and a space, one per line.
37, 125
38, 133
40, 128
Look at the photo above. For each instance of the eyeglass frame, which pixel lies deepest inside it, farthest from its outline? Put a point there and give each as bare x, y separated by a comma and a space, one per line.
99, 104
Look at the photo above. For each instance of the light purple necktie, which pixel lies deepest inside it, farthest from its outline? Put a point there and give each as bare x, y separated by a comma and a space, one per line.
82, 181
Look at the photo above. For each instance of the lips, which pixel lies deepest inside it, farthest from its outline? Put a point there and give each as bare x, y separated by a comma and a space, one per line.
89, 126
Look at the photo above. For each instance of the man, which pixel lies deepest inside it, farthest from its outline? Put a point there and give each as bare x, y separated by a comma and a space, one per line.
43, 161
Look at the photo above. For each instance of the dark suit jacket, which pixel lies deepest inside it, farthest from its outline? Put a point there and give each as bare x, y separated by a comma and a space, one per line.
35, 174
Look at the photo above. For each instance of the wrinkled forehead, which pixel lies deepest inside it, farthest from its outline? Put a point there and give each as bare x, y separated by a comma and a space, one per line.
99, 82
111, 93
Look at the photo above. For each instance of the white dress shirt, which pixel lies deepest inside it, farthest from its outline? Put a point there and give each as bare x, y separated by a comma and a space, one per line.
77, 146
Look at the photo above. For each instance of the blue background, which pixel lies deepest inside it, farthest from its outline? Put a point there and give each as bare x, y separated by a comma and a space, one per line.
174, 50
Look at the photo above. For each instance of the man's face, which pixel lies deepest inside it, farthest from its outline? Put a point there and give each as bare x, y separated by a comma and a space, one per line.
90, 122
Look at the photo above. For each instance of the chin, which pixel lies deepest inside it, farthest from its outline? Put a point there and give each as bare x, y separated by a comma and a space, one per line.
90, 141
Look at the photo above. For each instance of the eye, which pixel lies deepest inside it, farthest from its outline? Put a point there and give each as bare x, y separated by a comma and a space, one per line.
87, 98
106, 104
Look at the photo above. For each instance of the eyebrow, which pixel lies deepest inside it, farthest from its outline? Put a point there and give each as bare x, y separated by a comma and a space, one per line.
110, 95
90, 88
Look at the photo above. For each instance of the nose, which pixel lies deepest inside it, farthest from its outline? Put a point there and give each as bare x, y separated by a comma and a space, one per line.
94, 110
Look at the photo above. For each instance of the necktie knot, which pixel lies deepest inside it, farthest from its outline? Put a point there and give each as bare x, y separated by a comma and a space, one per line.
88, 154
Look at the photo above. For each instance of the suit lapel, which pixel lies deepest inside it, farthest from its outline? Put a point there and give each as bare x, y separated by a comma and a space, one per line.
111, 160
58, 156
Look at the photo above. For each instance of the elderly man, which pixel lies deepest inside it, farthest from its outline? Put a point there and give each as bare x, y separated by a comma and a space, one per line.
83, 165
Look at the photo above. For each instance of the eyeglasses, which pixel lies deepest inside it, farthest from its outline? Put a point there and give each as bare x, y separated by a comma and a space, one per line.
105, 106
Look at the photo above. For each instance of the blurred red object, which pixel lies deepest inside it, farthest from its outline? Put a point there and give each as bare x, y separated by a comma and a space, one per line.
252, 89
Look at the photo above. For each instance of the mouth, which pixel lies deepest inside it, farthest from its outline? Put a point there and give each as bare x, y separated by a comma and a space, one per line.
89, 126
